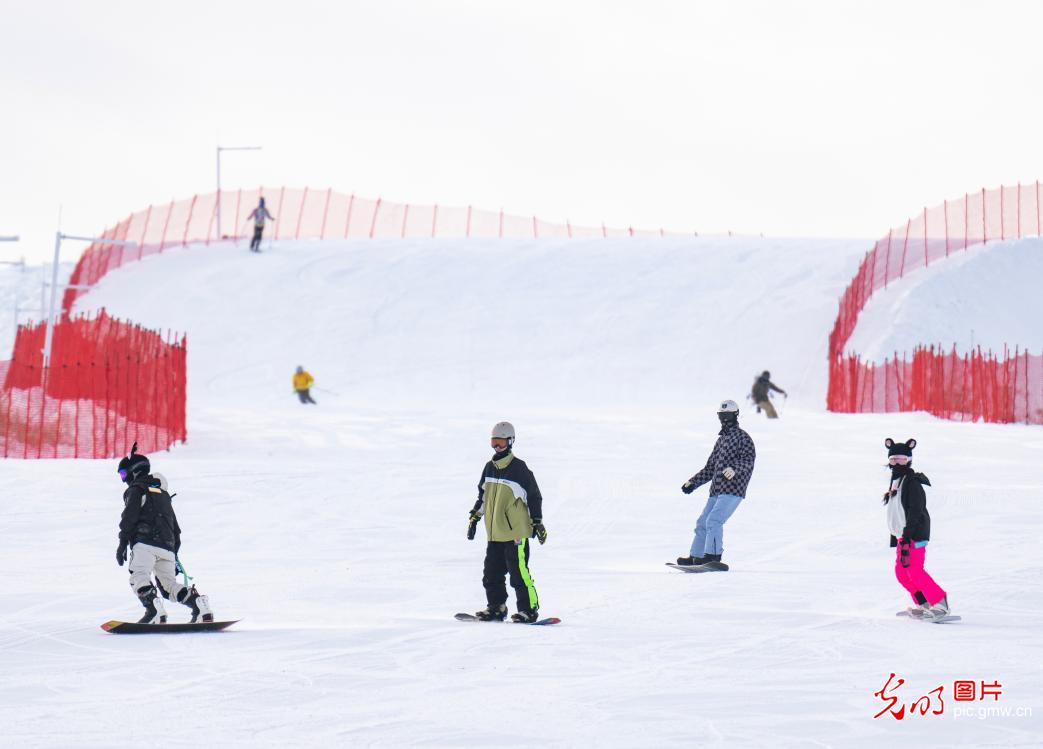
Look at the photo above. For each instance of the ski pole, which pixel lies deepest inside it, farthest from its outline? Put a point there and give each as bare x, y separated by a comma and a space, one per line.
324, 390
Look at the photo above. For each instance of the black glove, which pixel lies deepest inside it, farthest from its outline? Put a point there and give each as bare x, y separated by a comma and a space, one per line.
472, 525
903, 556
688, 487
121, 554
539, 530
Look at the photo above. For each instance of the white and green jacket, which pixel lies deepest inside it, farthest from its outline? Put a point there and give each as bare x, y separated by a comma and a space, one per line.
509, 498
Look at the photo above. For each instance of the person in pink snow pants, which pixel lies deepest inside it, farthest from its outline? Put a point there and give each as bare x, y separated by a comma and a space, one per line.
910, 526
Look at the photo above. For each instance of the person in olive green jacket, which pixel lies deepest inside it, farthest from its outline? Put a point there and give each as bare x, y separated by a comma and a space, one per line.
510, 502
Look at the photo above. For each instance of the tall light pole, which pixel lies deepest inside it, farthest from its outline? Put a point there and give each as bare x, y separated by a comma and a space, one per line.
58, 237
219, 150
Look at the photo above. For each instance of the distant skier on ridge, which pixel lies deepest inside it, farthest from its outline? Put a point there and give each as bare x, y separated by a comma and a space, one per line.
510, 501
259, 214
149, 528
728, 470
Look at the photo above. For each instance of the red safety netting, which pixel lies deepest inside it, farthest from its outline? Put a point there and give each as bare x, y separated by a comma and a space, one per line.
309, 214
971, 387
109, 384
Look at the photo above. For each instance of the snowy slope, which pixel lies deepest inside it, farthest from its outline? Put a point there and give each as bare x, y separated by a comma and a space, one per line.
546, 324
987, 296
337, 532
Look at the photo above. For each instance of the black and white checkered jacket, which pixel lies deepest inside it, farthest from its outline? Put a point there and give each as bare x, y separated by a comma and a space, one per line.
734, 449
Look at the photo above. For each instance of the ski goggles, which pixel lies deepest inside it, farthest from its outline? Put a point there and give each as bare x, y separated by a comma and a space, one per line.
899, 460
123, 473
499, 443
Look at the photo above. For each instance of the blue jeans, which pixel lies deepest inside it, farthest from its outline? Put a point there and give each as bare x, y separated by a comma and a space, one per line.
709, 529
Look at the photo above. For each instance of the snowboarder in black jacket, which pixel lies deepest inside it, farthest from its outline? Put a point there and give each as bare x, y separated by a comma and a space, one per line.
910, 526
149, 529
760, 395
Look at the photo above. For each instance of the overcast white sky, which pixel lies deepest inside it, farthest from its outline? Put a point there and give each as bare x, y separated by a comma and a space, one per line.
831, 118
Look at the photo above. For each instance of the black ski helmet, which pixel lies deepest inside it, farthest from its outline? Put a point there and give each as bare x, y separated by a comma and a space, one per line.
766, 374
133, 465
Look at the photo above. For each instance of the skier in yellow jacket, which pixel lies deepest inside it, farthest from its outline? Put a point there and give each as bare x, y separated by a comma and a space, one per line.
302, 382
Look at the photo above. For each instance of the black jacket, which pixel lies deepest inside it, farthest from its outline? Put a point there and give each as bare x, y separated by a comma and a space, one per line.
914, 502
148, 516
760, 389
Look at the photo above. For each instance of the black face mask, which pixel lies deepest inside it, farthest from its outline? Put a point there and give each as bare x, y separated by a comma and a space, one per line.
727, 419
897, 471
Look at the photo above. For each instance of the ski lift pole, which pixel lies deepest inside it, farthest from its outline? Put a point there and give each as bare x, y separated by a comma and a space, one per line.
58, 237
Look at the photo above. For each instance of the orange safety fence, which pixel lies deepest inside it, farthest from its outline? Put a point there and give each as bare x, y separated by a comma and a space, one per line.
971, 387
309, 214
109, 384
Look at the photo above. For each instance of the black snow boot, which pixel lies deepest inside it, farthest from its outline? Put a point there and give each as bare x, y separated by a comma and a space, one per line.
199, 604
525, 616
154, 613
713, 561
492, 613
691, 561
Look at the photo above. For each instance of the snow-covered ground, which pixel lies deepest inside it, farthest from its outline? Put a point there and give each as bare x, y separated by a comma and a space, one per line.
336, 532
987, 296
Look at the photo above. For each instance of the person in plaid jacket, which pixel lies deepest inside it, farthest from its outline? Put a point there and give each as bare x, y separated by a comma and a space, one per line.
728, 470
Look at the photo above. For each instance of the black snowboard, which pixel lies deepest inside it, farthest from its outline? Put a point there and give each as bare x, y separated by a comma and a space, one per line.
708, 567
117, 627
538, 622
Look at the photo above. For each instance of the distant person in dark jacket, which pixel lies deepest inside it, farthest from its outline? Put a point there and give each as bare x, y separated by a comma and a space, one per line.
149, 529
759, 393
910, 526
259, 214
729, 470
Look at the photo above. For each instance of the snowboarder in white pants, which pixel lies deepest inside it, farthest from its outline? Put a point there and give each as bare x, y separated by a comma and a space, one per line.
148, 527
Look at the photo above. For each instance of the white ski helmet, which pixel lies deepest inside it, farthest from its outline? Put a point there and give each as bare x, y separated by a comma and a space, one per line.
728, 412
728, 407
504, 430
